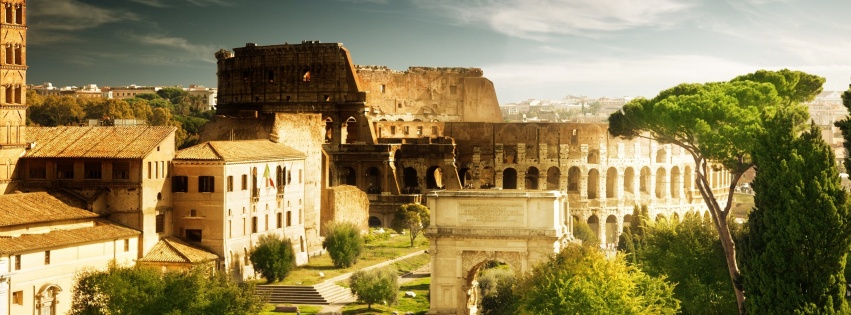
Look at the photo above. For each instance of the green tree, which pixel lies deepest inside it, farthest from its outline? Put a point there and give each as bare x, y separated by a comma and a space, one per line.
689, 254
631, 241
497, 291
581, 280
375, 286
793, 254
160, 117
146, 290
583, 232
175, 95
273, 257
414, 217
344, 243
717, 124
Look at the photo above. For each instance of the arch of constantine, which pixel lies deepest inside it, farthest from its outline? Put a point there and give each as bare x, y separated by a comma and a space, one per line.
470, 228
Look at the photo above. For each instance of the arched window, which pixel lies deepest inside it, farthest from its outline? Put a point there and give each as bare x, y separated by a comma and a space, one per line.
593, 184
509, 178
532, 178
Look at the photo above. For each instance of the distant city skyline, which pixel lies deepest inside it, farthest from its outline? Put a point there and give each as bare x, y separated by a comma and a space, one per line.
544, 49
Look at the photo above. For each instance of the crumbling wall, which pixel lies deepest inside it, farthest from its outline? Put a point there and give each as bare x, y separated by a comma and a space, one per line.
346, 203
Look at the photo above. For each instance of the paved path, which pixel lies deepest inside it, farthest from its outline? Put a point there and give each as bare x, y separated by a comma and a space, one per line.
337, 308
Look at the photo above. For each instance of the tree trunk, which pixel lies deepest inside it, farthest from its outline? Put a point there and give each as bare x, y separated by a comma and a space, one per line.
719, 218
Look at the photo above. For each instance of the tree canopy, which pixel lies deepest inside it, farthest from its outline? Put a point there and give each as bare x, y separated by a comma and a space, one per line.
273, 257
414, 217
375, 285
717, 124
344, 243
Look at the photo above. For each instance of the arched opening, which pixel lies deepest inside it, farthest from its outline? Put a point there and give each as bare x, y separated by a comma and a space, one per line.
465, 176
509, 178
373, 181
486, 177
349, 176
434, 178
329, 130
481, 285
593, 183
374, 221
409, 177
532, 178
644, 180
594, 224
594, 157
661, 156
573, 177
553, 178
612, 183
629, 180
627, 221
675, 182
46, 299
611, 229
351, 130
660, 182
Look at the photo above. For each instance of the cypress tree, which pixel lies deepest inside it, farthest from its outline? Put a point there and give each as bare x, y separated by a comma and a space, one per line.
793, 253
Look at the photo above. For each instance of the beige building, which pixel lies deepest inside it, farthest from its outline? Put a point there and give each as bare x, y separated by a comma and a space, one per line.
44, 241
229, 193
121, 172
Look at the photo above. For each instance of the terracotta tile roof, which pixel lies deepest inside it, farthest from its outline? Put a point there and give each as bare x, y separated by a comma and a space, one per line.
120, 142
36, 207
104, 231
171, 250
238, 150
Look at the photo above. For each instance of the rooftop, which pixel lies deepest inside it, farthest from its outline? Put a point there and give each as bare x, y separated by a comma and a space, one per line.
171, 250
38, 207
238, 151
119, 142
104, 231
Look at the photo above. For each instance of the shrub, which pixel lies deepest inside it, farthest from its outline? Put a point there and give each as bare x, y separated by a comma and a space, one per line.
375, 286
343, 242
273, 257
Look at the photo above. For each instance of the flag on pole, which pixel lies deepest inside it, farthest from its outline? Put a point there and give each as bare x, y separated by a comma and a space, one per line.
268, 176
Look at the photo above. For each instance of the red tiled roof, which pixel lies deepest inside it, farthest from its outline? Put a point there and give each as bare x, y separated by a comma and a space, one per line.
104, 231
238, 150
24, 208
170, 250
120, 142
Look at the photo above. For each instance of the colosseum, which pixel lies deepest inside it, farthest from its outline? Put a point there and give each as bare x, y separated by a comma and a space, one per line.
398, 135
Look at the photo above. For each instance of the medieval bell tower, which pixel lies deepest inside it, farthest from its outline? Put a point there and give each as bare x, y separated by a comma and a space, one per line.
13, 80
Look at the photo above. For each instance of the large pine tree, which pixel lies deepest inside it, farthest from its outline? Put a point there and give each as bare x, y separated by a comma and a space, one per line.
793, 253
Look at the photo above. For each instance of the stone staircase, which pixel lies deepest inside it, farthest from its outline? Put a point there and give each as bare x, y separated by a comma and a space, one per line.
321, 294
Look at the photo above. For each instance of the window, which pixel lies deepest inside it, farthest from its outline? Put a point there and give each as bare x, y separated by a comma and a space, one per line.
266, 223
289, 218
160, 223
453, 89
230, 228
17, 262
420, 131
92, 170
38, 169
149, 170
244, 181
253, 224
279, 219
193, 235
47, 257
121, 170
230, 183
206, 184
193, 213
18, 297
126, 245
383, 88
392, 130
180, 184
65, 170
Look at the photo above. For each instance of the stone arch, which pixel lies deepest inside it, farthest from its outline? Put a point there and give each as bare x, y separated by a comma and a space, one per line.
348, 176
612, 183
593, 183
486, 177
465, 176
660, 182
661, 156
644, 180
47, 298
594, 157
611, 229
351, 130
594, 224
509, 178
434, 178
532, 175
675, 182
472, 262
574, 175
629, 180
373, 180
374, 221
329, 129
410, 179
553, 178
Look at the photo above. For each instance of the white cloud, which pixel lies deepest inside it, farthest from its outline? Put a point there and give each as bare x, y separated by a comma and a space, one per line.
186, 50
540, 19
73, 15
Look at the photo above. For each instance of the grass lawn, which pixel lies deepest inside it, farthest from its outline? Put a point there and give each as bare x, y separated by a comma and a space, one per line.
376, 251
419, 304
303, 309
742, 205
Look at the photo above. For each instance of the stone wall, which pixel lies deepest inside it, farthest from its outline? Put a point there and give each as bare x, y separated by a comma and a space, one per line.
346, 203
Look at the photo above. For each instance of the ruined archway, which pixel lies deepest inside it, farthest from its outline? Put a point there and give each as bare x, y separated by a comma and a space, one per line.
660, 182
644, 180
465, 176
470, 236
434, 178
409, 177
593, 183
532, 178
351, 130
611, 230
349, 176
509, 178
675, 182
573, 178
629, 180
612, 183
374, 222
553, 178
373, 181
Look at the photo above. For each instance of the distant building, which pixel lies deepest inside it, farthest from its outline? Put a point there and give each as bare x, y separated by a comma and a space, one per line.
125, 92
203, 98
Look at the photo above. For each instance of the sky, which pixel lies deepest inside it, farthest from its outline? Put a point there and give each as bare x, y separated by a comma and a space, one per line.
542, 49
